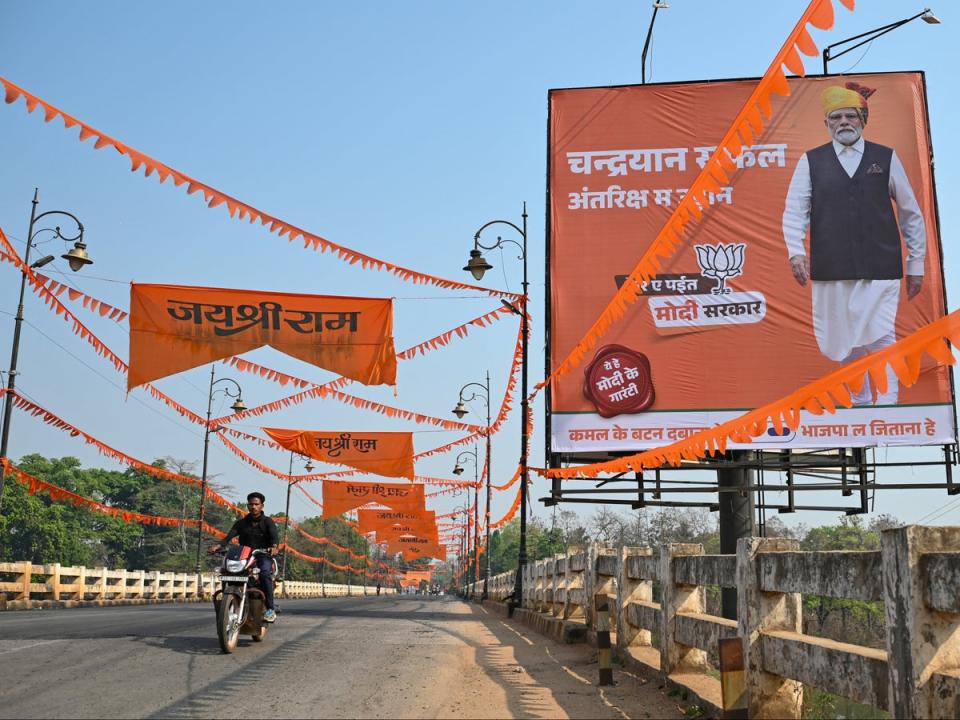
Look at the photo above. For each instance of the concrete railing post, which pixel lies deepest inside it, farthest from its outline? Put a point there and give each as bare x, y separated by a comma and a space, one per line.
603, 561
921, 641
54, 581
101, 573
628, 591
24, 580
677, 598
556, 584
574, 601
768, 695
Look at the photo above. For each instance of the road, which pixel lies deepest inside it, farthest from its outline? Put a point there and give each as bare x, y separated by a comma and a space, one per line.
389, 656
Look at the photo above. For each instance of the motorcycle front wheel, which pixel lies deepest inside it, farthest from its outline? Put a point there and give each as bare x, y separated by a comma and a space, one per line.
228, 622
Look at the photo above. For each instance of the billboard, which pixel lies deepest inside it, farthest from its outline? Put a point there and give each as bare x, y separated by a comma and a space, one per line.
803, 262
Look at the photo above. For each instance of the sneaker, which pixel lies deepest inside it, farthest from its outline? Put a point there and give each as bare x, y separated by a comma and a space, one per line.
269, 616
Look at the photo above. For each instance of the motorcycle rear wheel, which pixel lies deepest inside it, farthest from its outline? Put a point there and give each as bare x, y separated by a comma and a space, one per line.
228, 622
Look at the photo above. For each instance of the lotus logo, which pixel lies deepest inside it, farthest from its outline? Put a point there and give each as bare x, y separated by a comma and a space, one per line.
721, 262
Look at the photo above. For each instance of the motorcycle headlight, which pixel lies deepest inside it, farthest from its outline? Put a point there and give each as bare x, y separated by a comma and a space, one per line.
235, 566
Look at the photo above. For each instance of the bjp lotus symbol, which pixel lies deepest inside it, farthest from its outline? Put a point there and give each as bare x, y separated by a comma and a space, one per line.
721, 262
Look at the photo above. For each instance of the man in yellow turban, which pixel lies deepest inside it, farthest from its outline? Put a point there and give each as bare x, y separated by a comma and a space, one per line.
845, 193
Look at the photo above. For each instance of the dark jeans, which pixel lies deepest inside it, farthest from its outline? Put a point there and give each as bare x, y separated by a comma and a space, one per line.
265, 563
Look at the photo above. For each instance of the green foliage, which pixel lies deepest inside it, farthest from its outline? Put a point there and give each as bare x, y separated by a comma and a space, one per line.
35, 528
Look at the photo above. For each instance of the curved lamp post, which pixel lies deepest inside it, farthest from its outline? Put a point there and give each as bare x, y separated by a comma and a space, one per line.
458, 470
460, 410
77, 257
870, 35
237, 406
308, 466
477, 266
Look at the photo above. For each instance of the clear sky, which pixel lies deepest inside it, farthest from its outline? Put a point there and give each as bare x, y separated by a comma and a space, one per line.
396, 129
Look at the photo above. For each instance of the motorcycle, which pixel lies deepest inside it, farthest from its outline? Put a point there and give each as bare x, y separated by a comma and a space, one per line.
240, 603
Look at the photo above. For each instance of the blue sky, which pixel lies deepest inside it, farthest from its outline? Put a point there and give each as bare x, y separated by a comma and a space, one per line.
394, 129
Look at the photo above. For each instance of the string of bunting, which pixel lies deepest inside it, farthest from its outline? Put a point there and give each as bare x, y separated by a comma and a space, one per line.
54, 420
242, 210
510, 513
59, 494
330, 389
103, 350
747, 125
322, 560
505, 408
324, 541
821, 395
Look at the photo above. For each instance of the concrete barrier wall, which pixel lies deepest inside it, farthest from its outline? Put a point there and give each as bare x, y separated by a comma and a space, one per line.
916, 575
24, 585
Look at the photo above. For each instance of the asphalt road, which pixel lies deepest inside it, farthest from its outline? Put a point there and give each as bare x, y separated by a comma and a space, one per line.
347, 657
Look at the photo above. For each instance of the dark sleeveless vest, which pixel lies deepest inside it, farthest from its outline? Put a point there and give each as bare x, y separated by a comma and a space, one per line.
853, 230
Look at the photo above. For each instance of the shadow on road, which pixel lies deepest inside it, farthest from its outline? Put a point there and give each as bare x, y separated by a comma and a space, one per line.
188, 645
500, 660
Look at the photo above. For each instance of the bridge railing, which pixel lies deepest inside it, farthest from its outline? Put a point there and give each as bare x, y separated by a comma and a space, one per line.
25, 583
915, 575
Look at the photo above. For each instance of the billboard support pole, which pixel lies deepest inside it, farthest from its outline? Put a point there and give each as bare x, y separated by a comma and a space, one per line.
736, 515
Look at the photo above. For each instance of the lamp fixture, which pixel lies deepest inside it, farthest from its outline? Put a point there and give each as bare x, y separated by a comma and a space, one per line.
477, 265
77, 257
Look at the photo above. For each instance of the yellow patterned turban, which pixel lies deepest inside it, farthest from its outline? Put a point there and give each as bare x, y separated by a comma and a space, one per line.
851, 95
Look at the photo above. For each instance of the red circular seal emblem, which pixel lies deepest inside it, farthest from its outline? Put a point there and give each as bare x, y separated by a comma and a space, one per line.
618, 381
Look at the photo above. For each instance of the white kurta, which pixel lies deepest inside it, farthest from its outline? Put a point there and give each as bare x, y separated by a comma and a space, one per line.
850, 314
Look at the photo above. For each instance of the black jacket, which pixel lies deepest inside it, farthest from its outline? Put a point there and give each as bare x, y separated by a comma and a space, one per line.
258, 534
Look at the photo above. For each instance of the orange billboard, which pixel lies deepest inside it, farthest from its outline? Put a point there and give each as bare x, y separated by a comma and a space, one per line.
823, 247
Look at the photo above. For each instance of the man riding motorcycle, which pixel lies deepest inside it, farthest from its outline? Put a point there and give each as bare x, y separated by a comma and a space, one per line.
258, 531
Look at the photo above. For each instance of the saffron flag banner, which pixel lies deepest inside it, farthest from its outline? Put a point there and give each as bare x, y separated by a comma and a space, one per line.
379, 453
803, 261
397, 531
341, 497
413, 548
174, 328
369, 520
413, 578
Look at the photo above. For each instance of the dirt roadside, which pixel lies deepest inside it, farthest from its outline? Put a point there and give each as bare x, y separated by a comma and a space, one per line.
507, 670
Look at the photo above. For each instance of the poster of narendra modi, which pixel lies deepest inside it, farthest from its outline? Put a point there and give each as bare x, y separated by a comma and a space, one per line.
822, 248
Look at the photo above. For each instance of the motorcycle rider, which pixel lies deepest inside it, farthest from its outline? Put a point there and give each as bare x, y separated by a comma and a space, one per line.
258, 531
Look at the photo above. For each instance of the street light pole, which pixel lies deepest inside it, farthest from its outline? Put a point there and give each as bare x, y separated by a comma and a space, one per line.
870, 35
286, 525
473, 571
236, 407
659, 5
77, 258
477, 266
460, 410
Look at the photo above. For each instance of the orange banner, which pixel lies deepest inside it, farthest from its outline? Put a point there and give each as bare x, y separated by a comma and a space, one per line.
395, 532
379, 453
340, 497
175, 328
371, 520
413, 548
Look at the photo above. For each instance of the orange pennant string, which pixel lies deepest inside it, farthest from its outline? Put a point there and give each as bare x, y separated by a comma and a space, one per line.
215, 197
902, 354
